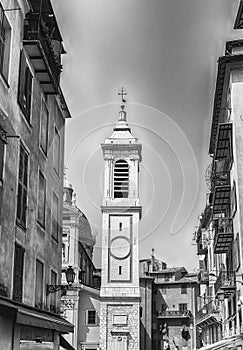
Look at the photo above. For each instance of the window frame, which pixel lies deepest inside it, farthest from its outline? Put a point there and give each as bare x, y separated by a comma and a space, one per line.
42, 224
56, 167
5, 44
2, 161
183, 307
25, 87
41, 306
121, 179
184, 288
163, 290
53, 296
87, 317
22, 203
44, 108
53, 219
18, 281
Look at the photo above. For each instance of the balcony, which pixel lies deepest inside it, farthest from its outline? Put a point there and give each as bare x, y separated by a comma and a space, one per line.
174, 314
202, 246
206, 217
223, 235
43, 43
221, 186
203, 277
225, 283
209, 314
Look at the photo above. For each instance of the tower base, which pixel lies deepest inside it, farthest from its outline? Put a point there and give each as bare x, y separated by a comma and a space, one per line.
119, 324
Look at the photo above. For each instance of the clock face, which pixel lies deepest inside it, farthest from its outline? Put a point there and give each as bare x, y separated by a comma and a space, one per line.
120, 248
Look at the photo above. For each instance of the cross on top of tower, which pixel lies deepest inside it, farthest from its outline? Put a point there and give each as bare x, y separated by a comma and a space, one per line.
122, 94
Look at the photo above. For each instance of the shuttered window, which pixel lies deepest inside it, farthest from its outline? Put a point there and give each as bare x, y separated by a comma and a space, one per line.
18, 273
56, 151
25, 87
90, 317
41, 200
182, 307
121, 178
5, 34
55, 225
44, 127
53, 301
22, 187
39, 278
183, 289
1, 170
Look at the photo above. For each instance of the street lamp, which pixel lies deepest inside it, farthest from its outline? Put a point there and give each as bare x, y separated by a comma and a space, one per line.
70, 276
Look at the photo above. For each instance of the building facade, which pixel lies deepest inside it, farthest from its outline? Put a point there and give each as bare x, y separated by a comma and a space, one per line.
121, 212
168, 306
80, 303
32, 121
219, 236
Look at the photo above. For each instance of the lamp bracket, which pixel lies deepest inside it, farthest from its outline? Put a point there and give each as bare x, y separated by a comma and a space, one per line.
53, 288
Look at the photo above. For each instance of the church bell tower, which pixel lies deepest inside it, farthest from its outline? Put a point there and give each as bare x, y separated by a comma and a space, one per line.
121, 213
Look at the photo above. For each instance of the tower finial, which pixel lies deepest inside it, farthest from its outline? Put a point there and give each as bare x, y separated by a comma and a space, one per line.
122, 113
122, 94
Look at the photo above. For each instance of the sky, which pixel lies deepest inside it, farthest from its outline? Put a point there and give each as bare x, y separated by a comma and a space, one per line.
164, 53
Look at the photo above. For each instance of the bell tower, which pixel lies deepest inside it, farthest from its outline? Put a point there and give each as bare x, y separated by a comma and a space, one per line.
121, 212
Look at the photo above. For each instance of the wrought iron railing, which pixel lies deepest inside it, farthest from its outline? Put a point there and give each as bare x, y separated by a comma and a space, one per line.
221, 173
37, 29
225, 280
174, 313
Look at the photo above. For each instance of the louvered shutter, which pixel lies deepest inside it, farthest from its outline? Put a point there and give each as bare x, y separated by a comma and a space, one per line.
21, 95
18, 273
28, 90
1, 171
201, 264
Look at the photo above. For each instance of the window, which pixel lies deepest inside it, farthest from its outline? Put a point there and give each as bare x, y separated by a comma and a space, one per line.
44, 119
22, 187
120, 226
18, 273
39, 278
91, 317
55, 216
183, 289
25, 87
56, 151
3, 140
120, 270
163, 290
41, 200
163, 307
5, 34
183, 307
121, 178
53, 301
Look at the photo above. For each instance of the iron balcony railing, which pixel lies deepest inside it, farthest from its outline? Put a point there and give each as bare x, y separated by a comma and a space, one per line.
223, 235
225, 283
203, 277
220, 186
174, 314
207, 310
206, 217
36, 29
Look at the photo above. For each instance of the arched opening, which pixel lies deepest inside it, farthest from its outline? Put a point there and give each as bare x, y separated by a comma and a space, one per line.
121, 178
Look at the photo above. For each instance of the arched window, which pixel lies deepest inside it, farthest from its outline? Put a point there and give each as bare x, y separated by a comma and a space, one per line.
121, 178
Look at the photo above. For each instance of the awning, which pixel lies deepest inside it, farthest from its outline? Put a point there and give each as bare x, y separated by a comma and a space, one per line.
65, 344
31, 316
38, 318
6, 308
222, 343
